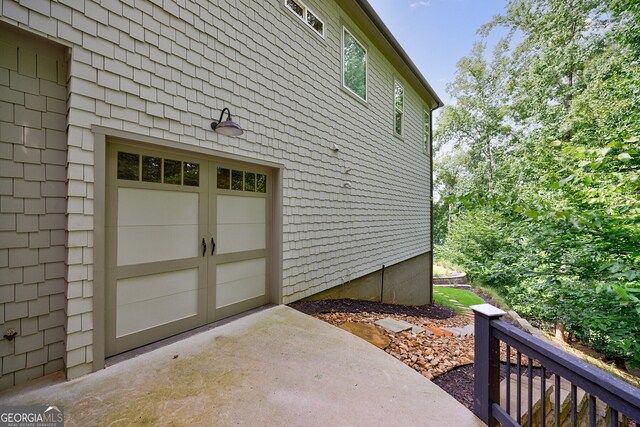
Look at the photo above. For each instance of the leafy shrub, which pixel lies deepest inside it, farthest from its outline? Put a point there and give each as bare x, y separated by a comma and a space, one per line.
480, 241
604, 317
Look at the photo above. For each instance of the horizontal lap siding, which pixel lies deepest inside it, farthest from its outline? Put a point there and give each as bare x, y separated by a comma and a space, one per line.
157, 69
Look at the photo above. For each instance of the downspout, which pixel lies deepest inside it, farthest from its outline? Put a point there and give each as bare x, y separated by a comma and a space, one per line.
438, 105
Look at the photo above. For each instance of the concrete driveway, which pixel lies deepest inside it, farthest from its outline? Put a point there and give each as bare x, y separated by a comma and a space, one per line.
275, 367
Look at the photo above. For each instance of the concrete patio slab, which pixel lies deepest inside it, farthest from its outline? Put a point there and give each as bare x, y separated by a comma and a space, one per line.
276, 367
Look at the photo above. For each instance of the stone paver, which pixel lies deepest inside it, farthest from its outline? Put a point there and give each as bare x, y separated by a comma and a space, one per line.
438, 332
369, 333
396, 326
462, 332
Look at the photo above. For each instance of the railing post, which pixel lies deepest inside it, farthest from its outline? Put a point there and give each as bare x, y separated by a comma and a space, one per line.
486, 363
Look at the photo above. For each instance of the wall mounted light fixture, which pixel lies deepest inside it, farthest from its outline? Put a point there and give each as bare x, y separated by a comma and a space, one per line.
228, 127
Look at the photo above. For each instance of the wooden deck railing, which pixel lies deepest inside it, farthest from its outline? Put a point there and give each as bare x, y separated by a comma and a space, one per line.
620, 399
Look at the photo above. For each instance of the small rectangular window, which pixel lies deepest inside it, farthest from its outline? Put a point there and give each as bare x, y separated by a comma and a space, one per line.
295, 7
307, 16
398, 107
426, 132
236, 180
191, 173
128, 166
314, 22
354, 65
261, 183
223, 178
151, 169
172, 171
249, 181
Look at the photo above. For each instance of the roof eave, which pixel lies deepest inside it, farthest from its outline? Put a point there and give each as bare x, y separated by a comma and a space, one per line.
375, 19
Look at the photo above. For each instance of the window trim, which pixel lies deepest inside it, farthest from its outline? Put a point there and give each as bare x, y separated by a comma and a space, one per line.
366, 66
397, 82
426, 131
304, 18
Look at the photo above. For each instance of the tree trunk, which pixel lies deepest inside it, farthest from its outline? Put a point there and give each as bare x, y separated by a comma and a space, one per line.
560, 332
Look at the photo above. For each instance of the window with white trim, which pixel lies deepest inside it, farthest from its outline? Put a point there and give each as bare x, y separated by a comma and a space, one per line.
426, 132
354, 65
398, 108
306, 15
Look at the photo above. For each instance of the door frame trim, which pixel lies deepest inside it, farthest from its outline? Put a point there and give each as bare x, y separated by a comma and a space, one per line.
101, 136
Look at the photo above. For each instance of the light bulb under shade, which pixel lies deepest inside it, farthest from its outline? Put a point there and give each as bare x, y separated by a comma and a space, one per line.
228, 127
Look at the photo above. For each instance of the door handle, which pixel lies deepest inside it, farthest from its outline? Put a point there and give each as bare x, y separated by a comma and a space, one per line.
213, 246
204, 247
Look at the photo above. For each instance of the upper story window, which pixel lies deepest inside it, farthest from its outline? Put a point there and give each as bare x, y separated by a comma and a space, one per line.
426, 132
307, 16
354, 65
398, 108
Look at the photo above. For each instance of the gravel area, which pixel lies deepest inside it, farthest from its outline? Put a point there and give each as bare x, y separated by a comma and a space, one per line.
430, 355
446, 360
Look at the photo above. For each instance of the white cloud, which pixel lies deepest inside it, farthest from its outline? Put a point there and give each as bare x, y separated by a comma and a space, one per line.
420, 4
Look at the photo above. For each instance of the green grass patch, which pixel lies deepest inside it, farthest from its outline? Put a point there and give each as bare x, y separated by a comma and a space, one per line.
441, 300
494, 294
441, 295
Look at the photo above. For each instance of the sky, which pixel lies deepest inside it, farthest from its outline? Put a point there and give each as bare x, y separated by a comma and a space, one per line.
437, 33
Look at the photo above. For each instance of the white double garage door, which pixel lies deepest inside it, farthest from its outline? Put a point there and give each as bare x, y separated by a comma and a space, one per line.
187, 243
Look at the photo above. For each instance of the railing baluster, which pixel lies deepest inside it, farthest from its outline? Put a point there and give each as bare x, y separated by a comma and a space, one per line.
486, 382
574, 406
543, 394
530, 392
557, 409
614, 418
519, 387
508, 391
595, 387
592, 411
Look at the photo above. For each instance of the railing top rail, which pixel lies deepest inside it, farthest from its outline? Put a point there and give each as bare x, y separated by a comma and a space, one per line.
616, 393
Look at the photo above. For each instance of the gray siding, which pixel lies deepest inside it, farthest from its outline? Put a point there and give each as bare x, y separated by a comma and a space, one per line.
164, 69
32, 208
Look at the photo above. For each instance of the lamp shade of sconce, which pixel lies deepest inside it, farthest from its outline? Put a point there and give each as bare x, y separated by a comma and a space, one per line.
228, 127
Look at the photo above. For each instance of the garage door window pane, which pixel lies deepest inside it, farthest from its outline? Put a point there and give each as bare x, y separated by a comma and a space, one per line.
191, 174
151, 169
261, 183
236, 180
172, 172
249, 181
223, 178
128, 166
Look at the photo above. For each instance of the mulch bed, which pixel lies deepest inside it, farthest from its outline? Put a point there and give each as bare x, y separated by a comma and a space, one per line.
356, 306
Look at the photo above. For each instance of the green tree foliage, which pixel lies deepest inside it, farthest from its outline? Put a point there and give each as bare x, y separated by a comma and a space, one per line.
541, 197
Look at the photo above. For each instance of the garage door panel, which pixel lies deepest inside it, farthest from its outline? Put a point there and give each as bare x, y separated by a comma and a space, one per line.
240, 237
148, 301
144, 244
241, 209
138, 206
240, 281
241, 223
156, 225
